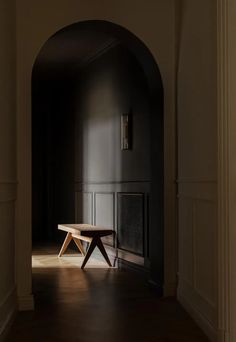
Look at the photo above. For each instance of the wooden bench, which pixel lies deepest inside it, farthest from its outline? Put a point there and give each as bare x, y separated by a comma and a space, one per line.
88, 233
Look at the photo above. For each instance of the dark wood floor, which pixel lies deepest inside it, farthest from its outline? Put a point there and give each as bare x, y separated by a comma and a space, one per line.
100, 305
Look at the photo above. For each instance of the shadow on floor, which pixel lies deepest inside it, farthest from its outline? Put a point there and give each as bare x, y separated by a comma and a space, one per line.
100, 305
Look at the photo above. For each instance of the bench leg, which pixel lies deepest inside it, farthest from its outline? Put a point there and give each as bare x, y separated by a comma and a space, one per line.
79, 245
65, 244
89, 252
103, 251
96, 242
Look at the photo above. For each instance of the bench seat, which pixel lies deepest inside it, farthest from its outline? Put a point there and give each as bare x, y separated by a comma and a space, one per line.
88, 233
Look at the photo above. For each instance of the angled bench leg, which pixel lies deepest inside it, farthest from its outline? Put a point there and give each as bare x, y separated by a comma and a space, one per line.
96, 241
79, 245
65, 244
103, 251
89, 252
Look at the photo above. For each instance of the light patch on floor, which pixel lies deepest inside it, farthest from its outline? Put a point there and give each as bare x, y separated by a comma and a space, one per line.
70, 260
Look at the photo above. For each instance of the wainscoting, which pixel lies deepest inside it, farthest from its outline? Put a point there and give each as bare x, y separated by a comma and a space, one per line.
122, 206
8, 302
197, 290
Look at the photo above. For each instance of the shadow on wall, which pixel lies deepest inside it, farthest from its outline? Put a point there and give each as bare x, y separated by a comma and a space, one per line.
84, 79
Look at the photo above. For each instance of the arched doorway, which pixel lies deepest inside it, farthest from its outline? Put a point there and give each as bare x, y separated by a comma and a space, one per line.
131, 178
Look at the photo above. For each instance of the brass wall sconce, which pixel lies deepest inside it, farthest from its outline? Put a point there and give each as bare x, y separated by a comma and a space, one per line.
126, 131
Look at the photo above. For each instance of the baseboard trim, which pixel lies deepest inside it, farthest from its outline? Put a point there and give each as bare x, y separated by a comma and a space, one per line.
127, 265
26, 303
8, 309
202, 321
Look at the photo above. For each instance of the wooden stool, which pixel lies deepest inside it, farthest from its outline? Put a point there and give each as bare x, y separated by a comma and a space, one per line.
88, 233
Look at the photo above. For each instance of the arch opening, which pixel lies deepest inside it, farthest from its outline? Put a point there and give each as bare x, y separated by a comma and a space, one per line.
85, 78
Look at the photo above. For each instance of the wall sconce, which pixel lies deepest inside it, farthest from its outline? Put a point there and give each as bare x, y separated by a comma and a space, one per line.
126, 131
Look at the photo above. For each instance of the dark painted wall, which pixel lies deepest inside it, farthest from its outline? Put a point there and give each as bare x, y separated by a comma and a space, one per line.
76, 134
80, 173
52, 156
106, 176
112, 85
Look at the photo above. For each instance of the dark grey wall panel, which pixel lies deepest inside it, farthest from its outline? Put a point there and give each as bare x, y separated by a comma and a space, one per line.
84, 207
104, 209
104, 212
130, 229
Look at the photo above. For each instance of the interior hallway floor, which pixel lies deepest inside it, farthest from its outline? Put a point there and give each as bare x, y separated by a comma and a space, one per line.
97, 304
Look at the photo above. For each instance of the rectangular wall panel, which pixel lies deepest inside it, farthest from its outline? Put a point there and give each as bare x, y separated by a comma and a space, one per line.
186, 240
197, 290
104, 213
8, 302
205, 230
131, 222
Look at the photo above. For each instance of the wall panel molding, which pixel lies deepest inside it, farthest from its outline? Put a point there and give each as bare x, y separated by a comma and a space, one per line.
131, 222
198, 301
197, 312
108, 198
200, 214
113, 182
8, 308
84, 207
82, 183
105, 213
115, 187
205, 257
197, 289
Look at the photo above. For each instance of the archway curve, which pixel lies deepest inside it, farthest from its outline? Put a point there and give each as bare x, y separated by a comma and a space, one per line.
129, 39
153, 77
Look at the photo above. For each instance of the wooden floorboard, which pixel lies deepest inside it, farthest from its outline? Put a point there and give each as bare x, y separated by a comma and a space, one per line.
98, 304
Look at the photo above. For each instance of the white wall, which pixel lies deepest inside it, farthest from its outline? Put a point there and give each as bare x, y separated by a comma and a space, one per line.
7, 164
153, 22
197, 161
